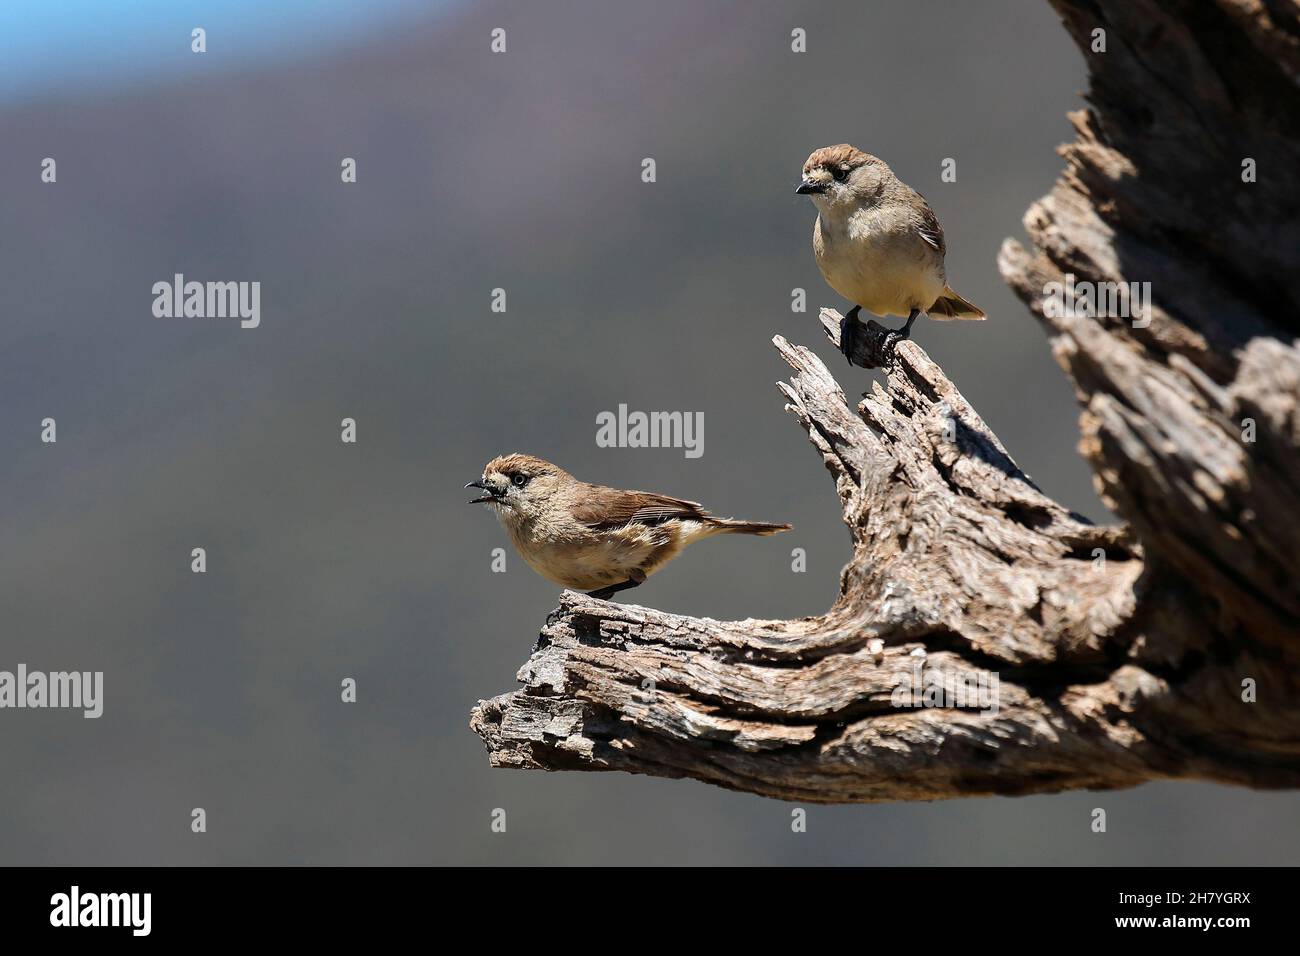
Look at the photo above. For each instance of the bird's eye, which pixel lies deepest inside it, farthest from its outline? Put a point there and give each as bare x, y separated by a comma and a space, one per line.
840, 173
520, 480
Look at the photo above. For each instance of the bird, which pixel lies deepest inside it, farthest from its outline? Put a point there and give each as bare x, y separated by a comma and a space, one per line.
589, 537
878, 243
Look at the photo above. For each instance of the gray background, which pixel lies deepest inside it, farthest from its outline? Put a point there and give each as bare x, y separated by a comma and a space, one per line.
329, 560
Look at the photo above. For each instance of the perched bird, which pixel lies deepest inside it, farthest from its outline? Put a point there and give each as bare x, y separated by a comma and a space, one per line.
589, 537
877, 242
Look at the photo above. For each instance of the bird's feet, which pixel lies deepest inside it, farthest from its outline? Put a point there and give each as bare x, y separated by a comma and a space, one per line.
636, 577
877, 349
892, 337
849, 332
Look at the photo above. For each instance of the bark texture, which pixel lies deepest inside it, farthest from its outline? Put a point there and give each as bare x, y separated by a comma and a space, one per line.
1120, 652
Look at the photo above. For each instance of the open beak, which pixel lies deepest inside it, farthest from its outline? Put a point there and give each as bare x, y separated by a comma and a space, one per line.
481, 498
808, 187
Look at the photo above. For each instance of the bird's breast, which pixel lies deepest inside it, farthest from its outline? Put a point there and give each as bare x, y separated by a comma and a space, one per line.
882, 265
593, 558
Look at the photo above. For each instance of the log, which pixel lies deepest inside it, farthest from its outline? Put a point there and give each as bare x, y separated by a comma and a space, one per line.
986, 640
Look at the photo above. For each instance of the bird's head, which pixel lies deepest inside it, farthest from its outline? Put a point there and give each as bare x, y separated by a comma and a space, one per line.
842, 177
519, 487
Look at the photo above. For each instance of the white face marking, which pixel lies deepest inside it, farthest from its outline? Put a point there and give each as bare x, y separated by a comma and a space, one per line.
837, 196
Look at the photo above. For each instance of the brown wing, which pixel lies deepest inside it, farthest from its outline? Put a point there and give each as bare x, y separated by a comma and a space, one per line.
604, 508
928, 226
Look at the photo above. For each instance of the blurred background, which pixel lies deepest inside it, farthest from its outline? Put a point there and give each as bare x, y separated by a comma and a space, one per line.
326, 560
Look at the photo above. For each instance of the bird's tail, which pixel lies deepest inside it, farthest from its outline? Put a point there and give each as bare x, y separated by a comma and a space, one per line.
952, 306
732, 526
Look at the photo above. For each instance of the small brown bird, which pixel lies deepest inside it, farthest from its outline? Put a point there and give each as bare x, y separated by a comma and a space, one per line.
877, 242
589, 537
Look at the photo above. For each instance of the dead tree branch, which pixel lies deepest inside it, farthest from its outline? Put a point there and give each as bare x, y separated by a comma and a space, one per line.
1121, 652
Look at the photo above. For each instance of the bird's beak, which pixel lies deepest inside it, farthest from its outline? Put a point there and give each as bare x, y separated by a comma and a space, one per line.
481, 498
808, 187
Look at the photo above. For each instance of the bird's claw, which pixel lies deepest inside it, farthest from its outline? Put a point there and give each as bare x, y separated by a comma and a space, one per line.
890, 342
879, 345
846, 342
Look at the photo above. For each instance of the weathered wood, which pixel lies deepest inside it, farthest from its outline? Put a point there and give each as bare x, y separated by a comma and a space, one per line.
1120, 651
